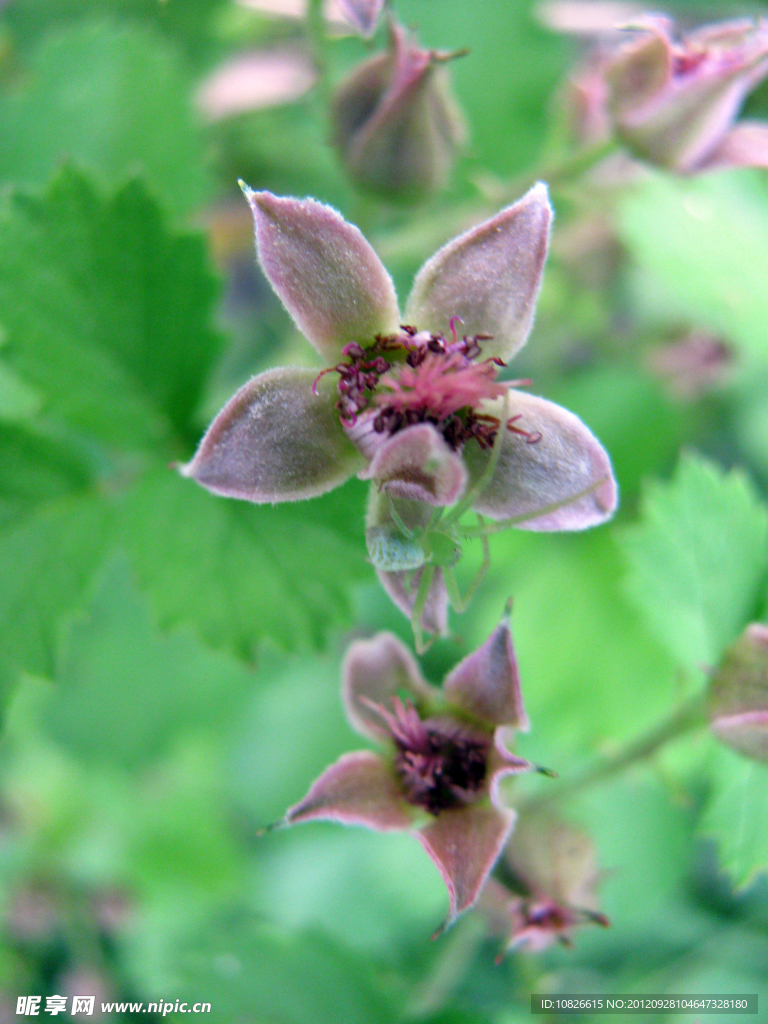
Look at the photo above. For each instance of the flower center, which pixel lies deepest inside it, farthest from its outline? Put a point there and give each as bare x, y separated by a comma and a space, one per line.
440, 763
419, 377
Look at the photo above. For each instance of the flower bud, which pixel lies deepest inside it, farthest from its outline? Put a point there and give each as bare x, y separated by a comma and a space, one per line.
738, 694
395, 124
673, 103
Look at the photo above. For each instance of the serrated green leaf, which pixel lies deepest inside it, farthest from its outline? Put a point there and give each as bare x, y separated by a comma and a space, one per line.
113, 98
736, 813
107, 314
698, 559
705, 242
251, 971
237, 574
123, 691
37, 467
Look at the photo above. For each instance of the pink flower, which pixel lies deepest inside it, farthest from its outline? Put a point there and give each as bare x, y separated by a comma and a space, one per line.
674, 103
405, 401
543, 887
438, 774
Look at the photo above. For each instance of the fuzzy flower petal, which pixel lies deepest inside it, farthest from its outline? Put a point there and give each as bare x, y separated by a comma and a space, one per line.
464, 844
486, 684
416, 463
402, 588
745, 145
275, 441
329, 278
359, 789
565, 461
375, 671
489, 277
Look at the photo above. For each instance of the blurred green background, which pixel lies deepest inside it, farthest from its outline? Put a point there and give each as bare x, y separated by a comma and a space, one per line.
169, 661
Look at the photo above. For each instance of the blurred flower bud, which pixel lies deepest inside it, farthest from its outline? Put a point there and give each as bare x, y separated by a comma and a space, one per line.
738, 694
363, 15
544, 885
395, 124
673, 103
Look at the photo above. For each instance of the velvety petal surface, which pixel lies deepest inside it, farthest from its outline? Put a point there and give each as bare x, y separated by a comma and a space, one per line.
486, 684
275, 441
416, 463
746, 732
376, 670
363, 15
329, 278
745, 145
464, 844
402, 588
529, 478
359, 789
490, 277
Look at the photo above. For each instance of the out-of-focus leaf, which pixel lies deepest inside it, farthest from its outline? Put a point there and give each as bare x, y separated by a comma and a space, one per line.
107, 314
705, 241
18, 401
735, 815
113, 98
36, 467
124, 693
698, 559
252, 971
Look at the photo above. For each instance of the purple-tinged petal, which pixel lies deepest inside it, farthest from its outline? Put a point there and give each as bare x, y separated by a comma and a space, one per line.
642, 67
745, 145
359, 789
738, 694
486, 684
402, 587
363, 15
502, 762
417, 464
489, 277
275, 441
374, 671
329, 278
464, 844
562, 464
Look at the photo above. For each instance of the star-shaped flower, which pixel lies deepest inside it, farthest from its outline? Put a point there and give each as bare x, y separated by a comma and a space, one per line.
406, 401
438, 775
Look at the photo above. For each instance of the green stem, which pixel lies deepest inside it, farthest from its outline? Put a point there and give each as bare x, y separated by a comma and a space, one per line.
318, 38
689, 715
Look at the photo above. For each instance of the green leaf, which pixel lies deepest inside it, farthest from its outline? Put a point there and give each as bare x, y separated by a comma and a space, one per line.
698, 559
736, 815
252, 971
237, 574
18, 401
107, 313
114, 98
124, 692
705, 242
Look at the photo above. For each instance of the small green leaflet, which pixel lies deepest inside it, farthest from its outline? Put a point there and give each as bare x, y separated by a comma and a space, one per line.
698, 559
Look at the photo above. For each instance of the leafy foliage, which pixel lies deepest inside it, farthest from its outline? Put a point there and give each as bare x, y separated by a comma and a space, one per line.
698, 560
735, 814
109, 97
